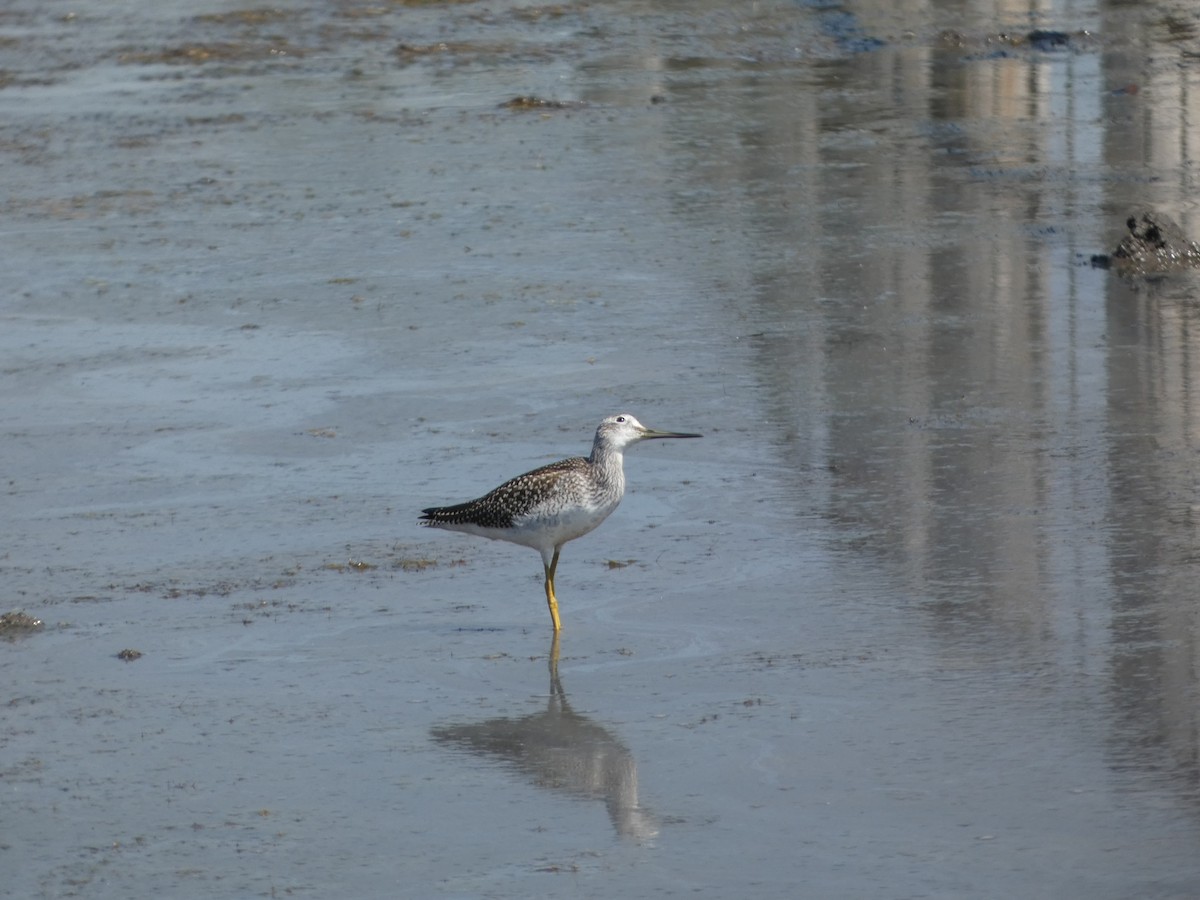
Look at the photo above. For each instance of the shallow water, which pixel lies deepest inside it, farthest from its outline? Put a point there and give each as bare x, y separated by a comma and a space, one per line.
915, 619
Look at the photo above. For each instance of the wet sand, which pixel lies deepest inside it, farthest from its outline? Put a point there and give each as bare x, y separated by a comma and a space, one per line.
915, 619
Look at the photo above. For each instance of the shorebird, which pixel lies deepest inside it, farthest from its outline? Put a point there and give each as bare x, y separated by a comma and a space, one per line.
553, 504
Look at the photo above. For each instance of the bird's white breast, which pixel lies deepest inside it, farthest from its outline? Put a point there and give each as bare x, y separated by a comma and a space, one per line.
541, 530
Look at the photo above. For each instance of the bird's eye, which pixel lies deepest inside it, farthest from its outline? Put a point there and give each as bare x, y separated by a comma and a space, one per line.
620, 418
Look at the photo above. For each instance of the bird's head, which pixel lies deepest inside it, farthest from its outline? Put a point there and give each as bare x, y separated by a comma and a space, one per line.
619, 431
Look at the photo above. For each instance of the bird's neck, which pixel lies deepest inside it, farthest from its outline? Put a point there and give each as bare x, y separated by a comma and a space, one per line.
609, 461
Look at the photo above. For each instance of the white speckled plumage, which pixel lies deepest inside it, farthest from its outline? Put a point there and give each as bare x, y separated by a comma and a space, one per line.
553, 504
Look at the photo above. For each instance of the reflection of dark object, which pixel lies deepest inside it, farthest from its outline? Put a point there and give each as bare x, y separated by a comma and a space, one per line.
842, 27
564, 751
1048, 40
1014, 44
129, 655
1155, 244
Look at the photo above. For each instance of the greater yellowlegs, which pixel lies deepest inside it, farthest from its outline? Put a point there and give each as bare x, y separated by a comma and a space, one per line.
551, 505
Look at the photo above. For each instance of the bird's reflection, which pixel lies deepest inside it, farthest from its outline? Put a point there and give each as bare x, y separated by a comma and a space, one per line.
564, 751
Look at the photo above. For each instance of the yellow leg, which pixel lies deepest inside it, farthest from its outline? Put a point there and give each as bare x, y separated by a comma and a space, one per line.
551, 600
555, 686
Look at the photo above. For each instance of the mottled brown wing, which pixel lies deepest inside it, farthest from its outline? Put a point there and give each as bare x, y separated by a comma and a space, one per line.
498, 508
